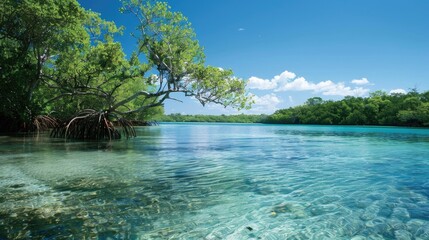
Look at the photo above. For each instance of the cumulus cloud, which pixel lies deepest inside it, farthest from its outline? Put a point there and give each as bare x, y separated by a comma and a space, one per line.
265, 104
399, 90
268, 84
288, 81
328, 88
340, 89
299, 84
284, 76
266, 100
362, 81
261, 84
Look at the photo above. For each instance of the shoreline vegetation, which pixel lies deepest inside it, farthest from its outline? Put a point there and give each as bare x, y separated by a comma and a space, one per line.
239, 118
379, 109
63, 69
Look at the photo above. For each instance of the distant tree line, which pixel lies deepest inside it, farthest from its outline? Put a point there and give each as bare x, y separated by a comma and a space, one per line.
240, 118
380, 108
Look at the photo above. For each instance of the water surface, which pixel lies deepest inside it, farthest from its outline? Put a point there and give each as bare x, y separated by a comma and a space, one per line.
219, 181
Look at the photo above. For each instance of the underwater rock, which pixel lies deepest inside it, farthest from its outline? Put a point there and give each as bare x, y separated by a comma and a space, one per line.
403, 235
401, 213
327, 199
358, 237
376, 196
414, 225
384, 211
264, 190
367, 215
19, 185
48, 211
100, 220
296, 210
259, 187
420, 211
423, 232
323, 234
375, 222
323, 209
375, 237
396, 224
349, 226
363, 203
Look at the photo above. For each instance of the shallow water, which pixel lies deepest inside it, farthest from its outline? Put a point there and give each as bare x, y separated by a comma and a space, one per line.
219, 181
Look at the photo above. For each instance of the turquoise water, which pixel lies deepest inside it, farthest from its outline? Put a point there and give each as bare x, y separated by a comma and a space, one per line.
219, 181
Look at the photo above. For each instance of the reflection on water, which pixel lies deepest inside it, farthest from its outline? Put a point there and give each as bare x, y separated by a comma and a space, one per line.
225, 181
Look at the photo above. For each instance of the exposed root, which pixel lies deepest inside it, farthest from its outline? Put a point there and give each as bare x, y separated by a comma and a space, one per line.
127, 127
94, 125
44, 123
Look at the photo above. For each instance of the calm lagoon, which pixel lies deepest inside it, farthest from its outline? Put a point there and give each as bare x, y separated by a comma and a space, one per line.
219, 181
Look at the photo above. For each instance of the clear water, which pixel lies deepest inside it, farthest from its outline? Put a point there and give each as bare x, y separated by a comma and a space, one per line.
219, 181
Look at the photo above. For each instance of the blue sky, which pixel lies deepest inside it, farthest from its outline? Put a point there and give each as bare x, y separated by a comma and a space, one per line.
291, 50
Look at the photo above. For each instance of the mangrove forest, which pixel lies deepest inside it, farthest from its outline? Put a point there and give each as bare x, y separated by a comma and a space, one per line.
61, 67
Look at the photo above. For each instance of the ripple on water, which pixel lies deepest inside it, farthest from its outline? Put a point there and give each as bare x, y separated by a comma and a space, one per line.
228, 182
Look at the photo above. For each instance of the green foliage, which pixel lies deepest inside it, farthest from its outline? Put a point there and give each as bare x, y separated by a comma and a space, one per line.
411, 109
31, 32
168, 42
240, 118
60, 59
314, 101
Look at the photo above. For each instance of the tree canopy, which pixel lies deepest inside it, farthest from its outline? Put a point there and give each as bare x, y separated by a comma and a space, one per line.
380, 108
238, 118
62, 67
32, 33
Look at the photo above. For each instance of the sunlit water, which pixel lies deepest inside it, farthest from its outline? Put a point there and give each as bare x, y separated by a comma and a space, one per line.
219, 181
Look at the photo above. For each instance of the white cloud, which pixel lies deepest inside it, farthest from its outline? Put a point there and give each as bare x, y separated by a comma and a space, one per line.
284, 76
299, 84
340, 89
399, 90
264, 104
266, 84
288, 81
290, 99
362, 81
266, 100
261, 84
241, 29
